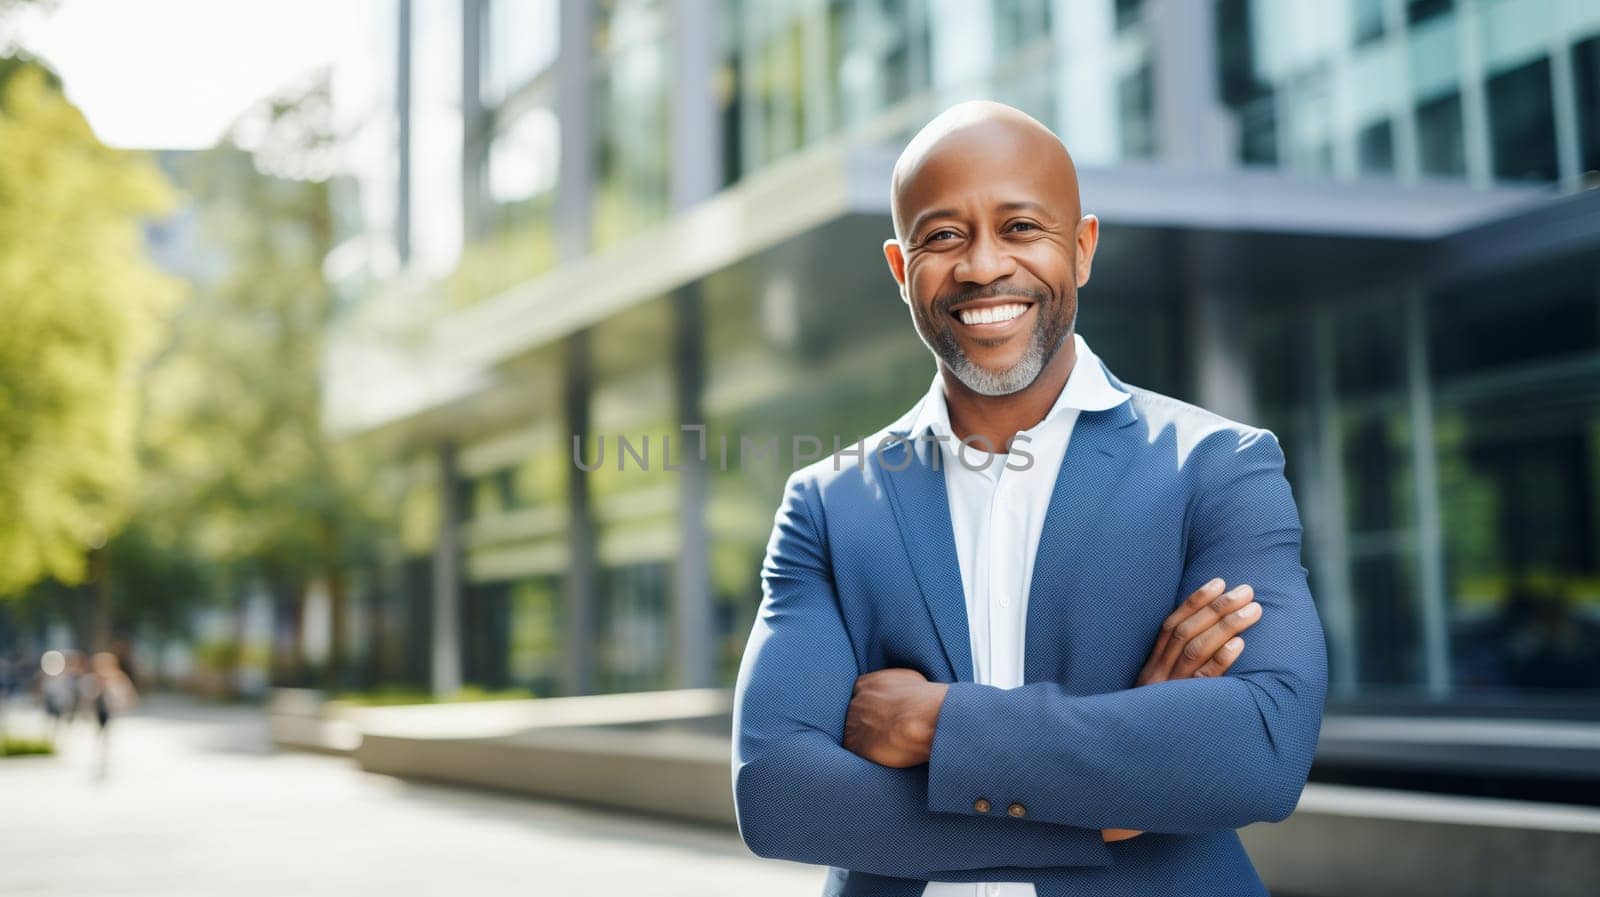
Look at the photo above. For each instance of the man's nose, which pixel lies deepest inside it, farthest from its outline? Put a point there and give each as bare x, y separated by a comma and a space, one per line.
985, 261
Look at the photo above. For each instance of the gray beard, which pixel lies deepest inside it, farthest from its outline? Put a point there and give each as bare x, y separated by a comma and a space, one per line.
1042, 345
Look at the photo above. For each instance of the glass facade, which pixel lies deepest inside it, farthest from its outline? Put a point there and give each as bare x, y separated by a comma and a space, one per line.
1441, 442
811, 71
1477, 89
511, 152
1442, 431
628, 100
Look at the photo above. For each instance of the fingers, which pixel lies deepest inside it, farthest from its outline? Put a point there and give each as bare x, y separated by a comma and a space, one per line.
1160, 659
1222, 660
1204, 646
1192, 619
1196, 615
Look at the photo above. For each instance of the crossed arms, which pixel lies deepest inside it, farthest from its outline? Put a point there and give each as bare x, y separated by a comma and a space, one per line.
1179, 756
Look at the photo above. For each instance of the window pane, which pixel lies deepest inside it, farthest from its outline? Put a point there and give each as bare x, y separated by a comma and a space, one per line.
1366, 21
1439, 136
1520, 317
1586, 86
1522, 123
1419, 11
1375, 149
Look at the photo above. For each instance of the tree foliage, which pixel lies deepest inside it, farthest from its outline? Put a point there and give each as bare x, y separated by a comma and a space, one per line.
238, 470
81, 308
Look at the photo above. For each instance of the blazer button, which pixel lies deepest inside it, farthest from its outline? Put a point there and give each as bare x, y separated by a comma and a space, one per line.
981, 805
1017, 810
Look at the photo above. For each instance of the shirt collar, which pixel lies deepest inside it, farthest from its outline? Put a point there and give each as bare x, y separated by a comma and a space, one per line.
1087, 389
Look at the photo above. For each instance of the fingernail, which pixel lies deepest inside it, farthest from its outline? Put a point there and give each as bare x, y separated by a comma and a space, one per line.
1215, 584
1249, 610
1234, 643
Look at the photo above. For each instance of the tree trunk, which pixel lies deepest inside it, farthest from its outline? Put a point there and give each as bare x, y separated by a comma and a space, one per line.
334, 676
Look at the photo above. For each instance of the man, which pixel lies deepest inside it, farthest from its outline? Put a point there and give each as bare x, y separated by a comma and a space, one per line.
951, 686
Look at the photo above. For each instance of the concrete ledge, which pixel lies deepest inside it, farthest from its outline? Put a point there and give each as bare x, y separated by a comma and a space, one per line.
675, 774
1341, 840
668, 754
494, 719
302, 719
636, 752
1383, 843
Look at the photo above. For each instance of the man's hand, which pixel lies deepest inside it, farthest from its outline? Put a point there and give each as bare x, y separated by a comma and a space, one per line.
1197, 639
892, 715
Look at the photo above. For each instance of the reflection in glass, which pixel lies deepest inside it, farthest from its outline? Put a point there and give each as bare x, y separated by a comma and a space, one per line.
1522, 127
629, 94
1440, 146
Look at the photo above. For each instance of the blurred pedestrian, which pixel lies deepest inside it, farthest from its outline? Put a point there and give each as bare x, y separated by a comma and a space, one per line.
113, 693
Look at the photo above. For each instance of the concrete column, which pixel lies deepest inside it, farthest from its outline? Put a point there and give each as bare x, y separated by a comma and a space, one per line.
575, 235
696, 173
1474, 98
474, 126
402, 102
575, 187
696, 161
695, 665
1192, 125
1330, 525
1403, 100
752, 119
1221, 365
1565, 98
446, 668
1430, 522
582, 566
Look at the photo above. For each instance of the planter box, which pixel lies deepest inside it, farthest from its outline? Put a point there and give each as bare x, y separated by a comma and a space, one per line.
304, 719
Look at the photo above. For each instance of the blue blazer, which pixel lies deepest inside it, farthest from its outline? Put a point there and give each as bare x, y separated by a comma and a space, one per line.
1155, 497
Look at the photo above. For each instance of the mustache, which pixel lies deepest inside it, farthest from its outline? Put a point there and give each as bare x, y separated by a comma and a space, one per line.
944, 303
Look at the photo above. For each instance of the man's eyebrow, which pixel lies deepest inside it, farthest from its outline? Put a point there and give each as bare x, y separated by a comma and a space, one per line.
1009, 206
916, 225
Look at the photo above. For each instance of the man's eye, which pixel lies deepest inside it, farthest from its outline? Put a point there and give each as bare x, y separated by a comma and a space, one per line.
1022, 223
935, 235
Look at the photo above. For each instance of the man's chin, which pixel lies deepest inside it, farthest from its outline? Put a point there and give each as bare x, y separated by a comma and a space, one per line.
994, 382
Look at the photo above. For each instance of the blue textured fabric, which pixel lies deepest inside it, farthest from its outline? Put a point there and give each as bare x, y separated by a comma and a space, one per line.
1155, 497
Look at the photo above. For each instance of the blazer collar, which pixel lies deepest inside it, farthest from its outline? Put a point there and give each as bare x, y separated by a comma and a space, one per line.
1097, 455
1089, 387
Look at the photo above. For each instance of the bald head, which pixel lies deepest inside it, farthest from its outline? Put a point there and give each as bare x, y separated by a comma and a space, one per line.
986, 136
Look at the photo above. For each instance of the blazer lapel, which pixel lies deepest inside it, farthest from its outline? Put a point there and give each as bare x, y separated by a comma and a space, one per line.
1098, 454
915, 486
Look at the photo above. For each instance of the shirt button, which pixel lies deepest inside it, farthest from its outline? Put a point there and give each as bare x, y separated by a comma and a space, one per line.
981, 805
1017, 810
1004, 601
992, 889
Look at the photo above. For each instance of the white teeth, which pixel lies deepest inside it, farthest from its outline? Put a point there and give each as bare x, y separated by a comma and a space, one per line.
993, 315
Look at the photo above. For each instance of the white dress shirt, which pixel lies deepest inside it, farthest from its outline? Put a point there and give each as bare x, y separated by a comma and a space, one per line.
997, 509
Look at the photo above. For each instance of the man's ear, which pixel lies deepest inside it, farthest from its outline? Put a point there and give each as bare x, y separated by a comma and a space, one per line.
1088, 238
897, 265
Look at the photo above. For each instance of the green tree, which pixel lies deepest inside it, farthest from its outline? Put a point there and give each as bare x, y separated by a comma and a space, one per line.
238, 468
81, 307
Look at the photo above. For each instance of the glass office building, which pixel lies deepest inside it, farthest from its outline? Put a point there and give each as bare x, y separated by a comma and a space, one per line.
1364, 224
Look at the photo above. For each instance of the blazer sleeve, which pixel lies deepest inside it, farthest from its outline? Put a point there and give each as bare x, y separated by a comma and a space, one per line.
799, 795
1179, 756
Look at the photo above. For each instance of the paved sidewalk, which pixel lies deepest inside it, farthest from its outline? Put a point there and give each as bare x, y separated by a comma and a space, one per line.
194, 801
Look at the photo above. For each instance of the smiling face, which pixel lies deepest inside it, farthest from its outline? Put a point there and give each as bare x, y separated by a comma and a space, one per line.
991, 247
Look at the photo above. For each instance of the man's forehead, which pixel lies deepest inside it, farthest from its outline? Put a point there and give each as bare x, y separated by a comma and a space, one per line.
985, 143
963, 129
